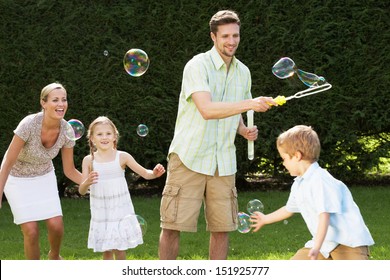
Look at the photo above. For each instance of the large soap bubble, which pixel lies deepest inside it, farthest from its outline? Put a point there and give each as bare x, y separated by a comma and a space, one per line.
136, 62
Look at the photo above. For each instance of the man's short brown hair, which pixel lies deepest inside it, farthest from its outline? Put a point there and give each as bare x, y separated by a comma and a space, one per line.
223, 17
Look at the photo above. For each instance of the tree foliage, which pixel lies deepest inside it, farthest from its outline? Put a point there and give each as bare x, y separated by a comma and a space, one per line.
344, 41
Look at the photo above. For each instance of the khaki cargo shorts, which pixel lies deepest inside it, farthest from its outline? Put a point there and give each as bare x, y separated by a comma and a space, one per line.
341, 252
185, 192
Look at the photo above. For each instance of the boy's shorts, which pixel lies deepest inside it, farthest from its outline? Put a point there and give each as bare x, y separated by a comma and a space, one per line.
184, 192
341, 252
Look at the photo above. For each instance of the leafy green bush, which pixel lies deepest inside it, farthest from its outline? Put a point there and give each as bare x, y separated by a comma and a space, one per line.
344, 41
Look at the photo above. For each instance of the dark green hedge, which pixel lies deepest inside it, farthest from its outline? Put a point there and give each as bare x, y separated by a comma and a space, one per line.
345, 41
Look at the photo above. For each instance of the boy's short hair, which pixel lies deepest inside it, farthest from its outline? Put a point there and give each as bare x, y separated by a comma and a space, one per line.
300, 138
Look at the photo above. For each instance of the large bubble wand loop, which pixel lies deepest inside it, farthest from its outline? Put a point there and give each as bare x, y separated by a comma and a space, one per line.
280, 100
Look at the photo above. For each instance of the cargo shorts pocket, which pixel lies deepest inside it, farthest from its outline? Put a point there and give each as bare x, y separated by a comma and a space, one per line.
234, 205
169, 203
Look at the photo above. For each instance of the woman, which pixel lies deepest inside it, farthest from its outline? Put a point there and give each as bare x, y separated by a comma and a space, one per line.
27, 173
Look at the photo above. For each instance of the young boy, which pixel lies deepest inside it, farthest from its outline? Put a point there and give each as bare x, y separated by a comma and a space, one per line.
326, 204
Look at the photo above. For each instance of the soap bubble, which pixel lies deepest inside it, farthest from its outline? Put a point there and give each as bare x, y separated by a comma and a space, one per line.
255, 205
143, 224
136, 62
74, 129
310, 79
244, 225
284, 68
132, 227
142, 130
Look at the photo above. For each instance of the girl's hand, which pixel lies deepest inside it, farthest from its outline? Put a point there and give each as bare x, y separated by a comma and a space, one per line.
158, 170
93, 177
90, 180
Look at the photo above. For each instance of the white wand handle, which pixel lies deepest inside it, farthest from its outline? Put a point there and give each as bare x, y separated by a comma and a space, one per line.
251, 150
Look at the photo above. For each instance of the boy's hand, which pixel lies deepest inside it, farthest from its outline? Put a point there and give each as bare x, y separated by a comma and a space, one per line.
158, 170
258, 221
313, 254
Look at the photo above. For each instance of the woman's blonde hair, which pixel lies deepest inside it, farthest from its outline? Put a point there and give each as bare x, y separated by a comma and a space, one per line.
300, 138
49, 88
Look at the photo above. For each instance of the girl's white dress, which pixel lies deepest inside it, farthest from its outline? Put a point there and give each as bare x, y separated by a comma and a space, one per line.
113, 222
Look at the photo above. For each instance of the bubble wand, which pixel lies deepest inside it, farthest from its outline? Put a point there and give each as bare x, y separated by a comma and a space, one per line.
283, 69
280, 100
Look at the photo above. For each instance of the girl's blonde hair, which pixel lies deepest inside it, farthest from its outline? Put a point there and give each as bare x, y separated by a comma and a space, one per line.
49, 88
91, 128
300, 138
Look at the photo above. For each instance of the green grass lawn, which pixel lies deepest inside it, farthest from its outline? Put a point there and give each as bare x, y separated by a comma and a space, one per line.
274, 242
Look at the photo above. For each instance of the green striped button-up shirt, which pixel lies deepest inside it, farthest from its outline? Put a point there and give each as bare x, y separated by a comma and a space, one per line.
205, 145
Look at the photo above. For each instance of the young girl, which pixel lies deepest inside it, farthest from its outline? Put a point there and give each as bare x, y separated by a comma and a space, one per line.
103, 173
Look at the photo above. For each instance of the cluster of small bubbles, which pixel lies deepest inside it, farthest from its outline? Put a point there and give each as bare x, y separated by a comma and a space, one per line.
142, 130
244, 223
74, 129
136, 63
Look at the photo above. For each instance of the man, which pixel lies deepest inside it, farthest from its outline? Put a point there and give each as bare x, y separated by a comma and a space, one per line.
216, 89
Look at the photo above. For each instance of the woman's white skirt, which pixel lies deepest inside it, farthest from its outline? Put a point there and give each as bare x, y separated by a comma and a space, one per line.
33, 199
